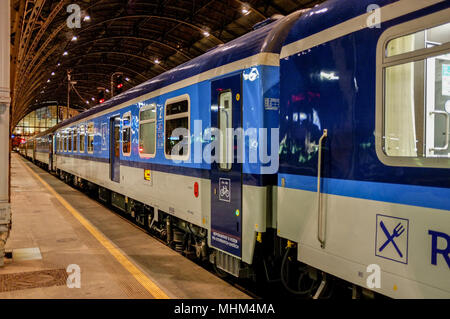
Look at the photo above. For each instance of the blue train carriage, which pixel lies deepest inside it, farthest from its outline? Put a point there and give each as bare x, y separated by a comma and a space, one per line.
365, 103
125, 145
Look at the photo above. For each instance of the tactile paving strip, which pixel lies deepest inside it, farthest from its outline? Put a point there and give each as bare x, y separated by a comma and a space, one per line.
34, 279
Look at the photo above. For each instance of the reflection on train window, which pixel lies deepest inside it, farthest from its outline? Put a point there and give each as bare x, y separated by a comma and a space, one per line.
177, 128
82, 139
416, 121
126, 134
420, 40
75, 140
90, 139
70, 142
147, 131
226, 132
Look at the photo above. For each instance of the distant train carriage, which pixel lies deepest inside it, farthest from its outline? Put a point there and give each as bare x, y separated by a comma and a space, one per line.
359, 180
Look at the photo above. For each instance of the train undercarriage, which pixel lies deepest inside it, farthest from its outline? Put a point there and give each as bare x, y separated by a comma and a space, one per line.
275, 261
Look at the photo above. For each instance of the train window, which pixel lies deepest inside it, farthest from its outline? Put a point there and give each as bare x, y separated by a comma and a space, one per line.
226, 132
147, 131
70, 141
90, 139
435, 36
82, 139
413, 116
75, 140
177, 135
126, 134
65, 143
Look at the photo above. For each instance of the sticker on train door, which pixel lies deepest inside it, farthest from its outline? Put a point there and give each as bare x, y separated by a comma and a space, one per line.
225, 189
391, 240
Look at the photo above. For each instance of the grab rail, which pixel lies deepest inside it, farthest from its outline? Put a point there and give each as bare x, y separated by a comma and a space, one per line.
447, 118
320, 219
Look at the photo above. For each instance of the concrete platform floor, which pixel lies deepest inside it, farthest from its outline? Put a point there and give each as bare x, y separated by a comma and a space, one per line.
40, 220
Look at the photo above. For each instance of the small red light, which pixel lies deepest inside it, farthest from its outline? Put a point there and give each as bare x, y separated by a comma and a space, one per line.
141, 149
196, 192
119, 85
101, 101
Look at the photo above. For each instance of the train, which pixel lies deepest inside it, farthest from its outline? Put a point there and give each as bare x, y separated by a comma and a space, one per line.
313, 148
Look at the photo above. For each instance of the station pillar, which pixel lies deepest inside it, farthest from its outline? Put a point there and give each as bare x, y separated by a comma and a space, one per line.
5, 102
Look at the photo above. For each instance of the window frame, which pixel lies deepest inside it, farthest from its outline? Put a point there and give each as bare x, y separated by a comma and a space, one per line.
172, 117
90, 134
383, 62
143, 109
82, 131
70, 140
75, 140
121, 133
219, 127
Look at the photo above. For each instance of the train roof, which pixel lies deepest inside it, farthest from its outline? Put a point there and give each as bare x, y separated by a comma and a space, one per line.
268, 38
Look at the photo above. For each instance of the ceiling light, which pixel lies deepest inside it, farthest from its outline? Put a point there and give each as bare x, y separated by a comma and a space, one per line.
48, 81
127, 79
53, 73
93, 99
245, 11
87, 102
87, 18
107, 91
74, 38
206, 33
157, 61
65, 53
59, 64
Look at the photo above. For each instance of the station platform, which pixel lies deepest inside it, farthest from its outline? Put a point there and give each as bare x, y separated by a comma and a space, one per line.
59, 232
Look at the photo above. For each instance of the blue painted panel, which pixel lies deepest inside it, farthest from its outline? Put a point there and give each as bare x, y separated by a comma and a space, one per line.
226, 185
422, 196
332, 86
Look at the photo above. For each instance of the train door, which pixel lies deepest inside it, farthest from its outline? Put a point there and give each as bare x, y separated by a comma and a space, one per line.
114, 149
34, 151
50, 152
226, 171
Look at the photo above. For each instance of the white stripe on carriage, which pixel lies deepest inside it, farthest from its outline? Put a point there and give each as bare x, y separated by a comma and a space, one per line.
388, 12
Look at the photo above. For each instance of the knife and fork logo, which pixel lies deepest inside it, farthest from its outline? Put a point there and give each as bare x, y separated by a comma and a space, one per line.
397, 232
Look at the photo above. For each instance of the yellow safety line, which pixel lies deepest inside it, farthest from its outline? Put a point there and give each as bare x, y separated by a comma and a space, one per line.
149, 285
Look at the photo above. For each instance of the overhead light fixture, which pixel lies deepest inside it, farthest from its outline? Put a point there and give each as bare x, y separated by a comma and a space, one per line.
48, 81
87, 18
206, 33
87, 102
65, 53
245, 11
127, 79
107, 91
93, 99
157, 61
59, 64
74, 38
53, 73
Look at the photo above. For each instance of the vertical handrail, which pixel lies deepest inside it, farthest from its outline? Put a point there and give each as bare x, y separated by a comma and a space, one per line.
447, 122
320, 217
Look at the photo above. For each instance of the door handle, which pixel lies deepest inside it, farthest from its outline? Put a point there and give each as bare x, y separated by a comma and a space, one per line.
447, 128
320, 213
